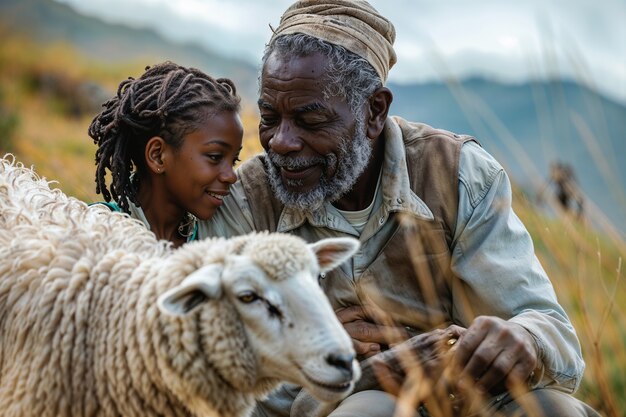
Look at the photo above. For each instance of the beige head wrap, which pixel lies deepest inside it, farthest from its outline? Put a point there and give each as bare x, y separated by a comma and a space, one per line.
353, 24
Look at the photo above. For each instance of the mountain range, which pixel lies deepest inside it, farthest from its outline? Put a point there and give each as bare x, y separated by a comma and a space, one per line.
526, 126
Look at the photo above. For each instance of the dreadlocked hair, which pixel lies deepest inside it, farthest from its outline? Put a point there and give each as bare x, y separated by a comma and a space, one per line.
167, 100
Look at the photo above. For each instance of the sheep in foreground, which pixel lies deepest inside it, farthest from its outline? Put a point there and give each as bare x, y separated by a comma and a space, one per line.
98, 318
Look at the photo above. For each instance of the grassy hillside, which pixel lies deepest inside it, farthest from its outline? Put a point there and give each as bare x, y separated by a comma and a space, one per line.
587, 273
42, 127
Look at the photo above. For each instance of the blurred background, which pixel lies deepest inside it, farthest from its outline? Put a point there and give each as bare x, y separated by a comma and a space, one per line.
542, 85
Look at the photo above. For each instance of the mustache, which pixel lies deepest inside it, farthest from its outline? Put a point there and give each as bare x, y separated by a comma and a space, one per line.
299, 162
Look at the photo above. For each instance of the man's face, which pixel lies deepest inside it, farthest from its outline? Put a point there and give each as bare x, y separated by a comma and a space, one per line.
317, 146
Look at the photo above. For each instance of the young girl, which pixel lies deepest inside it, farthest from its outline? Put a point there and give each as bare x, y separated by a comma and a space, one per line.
170, 140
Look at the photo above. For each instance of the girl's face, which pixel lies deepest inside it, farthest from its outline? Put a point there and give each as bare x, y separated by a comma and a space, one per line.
198, 174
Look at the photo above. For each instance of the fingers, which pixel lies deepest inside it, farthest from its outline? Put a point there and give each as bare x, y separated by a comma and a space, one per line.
389, 377
358, 322
365, 331
374, 334
454, 331
501, 364
365, 349
352, 313
469, 342
429, 343
364, 312
494, 352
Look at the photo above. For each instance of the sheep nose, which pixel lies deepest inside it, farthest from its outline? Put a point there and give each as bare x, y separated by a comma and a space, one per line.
341, 361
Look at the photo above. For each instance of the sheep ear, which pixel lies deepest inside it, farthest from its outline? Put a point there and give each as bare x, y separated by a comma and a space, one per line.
332, 252
197, 288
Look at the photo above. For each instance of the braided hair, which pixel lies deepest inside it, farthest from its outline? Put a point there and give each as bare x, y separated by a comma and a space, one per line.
167, 100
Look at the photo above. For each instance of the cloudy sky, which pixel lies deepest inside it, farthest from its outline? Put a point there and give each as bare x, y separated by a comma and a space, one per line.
510, 40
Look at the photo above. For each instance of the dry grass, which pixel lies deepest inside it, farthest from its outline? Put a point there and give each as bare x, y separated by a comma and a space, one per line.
585, 267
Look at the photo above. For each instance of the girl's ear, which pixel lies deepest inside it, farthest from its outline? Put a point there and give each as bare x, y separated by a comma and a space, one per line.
154, 154
379, 103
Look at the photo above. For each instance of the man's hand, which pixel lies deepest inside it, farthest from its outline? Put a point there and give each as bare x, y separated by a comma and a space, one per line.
429, 351
369, 330
493, 354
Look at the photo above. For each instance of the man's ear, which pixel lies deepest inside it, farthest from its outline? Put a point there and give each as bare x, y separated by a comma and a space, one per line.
154, 154
379, 103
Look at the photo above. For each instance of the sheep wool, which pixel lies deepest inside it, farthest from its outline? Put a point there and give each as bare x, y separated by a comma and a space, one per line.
84, 330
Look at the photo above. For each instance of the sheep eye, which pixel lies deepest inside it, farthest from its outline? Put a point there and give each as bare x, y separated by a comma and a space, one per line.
248, 297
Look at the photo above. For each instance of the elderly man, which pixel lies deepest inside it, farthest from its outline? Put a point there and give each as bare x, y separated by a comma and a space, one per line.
441, 245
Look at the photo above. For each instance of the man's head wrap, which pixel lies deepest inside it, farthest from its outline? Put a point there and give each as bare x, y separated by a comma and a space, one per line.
353, 24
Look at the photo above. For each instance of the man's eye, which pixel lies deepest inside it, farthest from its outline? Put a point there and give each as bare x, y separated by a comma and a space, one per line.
268, 120
312, 121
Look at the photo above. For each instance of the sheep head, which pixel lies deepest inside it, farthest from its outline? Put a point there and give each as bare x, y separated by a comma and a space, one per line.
271, 282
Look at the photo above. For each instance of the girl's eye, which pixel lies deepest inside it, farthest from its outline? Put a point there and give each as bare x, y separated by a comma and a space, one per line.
248, 297
215, 157
236, 160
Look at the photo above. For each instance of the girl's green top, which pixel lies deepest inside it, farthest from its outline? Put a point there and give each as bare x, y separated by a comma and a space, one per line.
137, 213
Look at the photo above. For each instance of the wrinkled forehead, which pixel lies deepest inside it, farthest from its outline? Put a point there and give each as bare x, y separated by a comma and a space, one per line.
290, 67
298, 85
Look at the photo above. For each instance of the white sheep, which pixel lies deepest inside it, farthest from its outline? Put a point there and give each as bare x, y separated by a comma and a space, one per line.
98, 318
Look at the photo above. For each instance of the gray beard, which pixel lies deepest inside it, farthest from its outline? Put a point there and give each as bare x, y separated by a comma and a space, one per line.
354, 155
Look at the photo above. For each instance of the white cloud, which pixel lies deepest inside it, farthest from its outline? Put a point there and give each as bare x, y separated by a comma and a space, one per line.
509, 42
510, 39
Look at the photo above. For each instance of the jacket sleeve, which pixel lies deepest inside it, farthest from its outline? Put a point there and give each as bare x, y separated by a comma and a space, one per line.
497, 271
